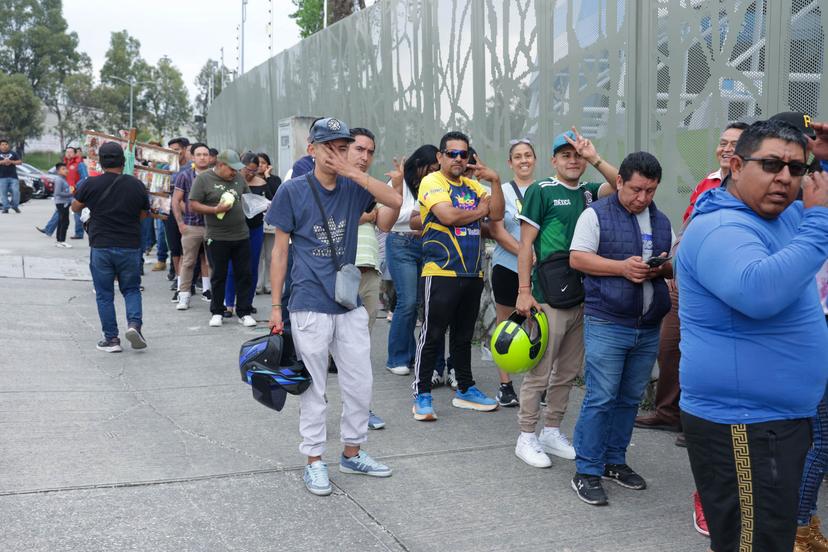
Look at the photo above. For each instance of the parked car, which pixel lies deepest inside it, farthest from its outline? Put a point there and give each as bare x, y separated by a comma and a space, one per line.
41, 183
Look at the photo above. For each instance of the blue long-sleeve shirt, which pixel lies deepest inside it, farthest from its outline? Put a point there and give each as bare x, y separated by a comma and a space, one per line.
754, 343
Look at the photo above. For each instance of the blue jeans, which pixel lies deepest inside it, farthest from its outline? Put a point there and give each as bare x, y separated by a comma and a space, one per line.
106, 264
256, 240
816, 464
147, 233
404, 259
51, 226
161, 240
619, 361
78, 226
10, 185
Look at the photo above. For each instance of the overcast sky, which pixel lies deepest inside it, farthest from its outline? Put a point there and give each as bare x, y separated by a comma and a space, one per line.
188, 31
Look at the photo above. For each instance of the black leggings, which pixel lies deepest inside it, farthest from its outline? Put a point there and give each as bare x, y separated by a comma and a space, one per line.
63, 221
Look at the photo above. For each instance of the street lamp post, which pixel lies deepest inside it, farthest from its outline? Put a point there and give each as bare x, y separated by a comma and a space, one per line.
132, 83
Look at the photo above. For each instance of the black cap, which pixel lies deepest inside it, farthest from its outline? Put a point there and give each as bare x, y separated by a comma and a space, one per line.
111, 155
797, 119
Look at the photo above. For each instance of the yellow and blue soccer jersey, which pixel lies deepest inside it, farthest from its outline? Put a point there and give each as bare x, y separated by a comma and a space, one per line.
450, 250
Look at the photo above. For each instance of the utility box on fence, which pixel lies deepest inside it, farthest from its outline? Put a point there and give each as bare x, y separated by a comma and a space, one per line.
293, 141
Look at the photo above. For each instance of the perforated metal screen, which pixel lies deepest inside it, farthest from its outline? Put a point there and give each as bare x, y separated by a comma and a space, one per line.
659, 75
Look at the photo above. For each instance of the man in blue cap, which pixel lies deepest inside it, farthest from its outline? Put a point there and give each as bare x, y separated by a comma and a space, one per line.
318, 213
551, 208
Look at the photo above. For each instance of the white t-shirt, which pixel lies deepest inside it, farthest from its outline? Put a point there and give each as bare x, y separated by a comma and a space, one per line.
587, 238
409, 204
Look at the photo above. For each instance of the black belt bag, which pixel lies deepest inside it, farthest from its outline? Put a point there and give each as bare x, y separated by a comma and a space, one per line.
562, 285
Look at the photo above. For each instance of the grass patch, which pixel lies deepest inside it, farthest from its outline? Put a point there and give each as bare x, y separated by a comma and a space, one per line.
43, 160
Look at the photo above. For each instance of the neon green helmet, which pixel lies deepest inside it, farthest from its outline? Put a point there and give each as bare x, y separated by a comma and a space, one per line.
518, 343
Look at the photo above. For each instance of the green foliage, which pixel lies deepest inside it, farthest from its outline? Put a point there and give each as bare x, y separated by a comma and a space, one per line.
308, 16
123, 60
43, 160
211, 75
167, 102
22, 115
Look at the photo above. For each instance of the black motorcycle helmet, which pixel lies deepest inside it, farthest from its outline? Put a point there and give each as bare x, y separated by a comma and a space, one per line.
270, 365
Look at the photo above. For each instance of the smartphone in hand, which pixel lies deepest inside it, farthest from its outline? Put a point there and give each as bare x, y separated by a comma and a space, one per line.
655, 262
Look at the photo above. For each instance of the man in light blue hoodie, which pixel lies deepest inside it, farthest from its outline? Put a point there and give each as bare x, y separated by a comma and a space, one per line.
754, 340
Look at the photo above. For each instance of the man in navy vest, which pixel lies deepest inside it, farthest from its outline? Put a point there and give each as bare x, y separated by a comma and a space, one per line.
617, 245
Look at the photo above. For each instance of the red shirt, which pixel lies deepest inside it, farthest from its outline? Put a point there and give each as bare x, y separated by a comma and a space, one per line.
72, 166
712, 180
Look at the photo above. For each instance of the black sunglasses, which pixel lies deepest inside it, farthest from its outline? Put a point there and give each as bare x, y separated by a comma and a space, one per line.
775, 166
454, 154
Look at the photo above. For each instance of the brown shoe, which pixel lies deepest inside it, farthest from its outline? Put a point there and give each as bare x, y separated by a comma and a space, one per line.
803, 540
159, 266
654, 422
681, 441
818, 541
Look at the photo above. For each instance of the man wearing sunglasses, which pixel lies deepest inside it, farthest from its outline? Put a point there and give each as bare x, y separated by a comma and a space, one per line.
451, 208
754, 339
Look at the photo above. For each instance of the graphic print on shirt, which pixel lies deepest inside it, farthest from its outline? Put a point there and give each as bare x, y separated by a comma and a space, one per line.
646, 246
337, 230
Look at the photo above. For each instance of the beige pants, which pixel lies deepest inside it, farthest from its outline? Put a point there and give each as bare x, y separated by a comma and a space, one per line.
369, 292
561, 362
192, 240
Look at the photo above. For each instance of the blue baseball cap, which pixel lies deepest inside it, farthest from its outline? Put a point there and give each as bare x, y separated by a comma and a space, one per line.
328, 129
560, 141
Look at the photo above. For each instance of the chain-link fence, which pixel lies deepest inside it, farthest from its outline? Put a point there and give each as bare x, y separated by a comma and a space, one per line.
660, 75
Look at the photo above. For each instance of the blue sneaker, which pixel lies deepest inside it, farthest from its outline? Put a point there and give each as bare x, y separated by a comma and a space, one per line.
316, 478
374, 421
473, 399
362, 464
422, 408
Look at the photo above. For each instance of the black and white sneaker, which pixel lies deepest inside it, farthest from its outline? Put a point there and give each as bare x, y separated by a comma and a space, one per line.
506, 395
543, 399
624, 476
589, 489
174, 297
135, 338
110, 345
207, 296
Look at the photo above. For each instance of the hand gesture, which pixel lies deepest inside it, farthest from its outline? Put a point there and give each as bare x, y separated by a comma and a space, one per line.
583, 147
482, 172
275, 323
268, 170
223, 208
337, 161
635, 270
396, 174
526, 302
819, 145
815, 190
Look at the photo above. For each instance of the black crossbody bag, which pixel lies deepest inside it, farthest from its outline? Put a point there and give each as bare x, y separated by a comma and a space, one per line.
562, 285
348, 276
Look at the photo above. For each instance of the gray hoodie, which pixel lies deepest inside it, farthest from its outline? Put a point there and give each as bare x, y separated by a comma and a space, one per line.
63, 195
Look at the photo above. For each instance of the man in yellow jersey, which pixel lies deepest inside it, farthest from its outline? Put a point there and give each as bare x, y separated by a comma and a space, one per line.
451, 208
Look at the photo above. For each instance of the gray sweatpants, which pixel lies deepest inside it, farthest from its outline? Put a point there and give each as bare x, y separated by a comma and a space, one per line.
345, 336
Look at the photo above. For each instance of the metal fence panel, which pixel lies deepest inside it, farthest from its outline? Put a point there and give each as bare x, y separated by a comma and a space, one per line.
661, 75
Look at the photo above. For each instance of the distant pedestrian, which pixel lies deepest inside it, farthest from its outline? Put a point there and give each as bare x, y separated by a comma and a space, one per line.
8, 177
63, 199
117, 202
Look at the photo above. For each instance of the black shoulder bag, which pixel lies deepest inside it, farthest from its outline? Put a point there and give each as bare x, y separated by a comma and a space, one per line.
348, 276
562, 285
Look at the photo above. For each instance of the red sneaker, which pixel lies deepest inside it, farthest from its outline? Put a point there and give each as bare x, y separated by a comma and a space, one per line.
699, 521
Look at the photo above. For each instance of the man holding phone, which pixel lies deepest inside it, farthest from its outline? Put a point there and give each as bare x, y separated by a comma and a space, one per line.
621, 243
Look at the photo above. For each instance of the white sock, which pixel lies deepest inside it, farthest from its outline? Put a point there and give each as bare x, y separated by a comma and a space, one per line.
205, 283
178, 282
527, 435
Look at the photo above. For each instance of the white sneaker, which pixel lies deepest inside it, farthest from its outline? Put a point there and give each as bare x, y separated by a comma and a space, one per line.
436, 379
529, 450
247, 321
554, 442
183, 301
398, 370
63, 245
451, 379
216, 320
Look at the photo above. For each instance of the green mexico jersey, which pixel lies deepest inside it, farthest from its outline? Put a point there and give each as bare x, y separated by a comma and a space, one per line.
553, 208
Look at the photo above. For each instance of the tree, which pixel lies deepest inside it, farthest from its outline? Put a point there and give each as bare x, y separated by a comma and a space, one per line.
309, 13
22, 115
123, 60
167, 102
80, 108
209, 83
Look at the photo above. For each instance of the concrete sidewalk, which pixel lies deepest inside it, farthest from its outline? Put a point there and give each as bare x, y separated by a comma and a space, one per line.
165, 449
